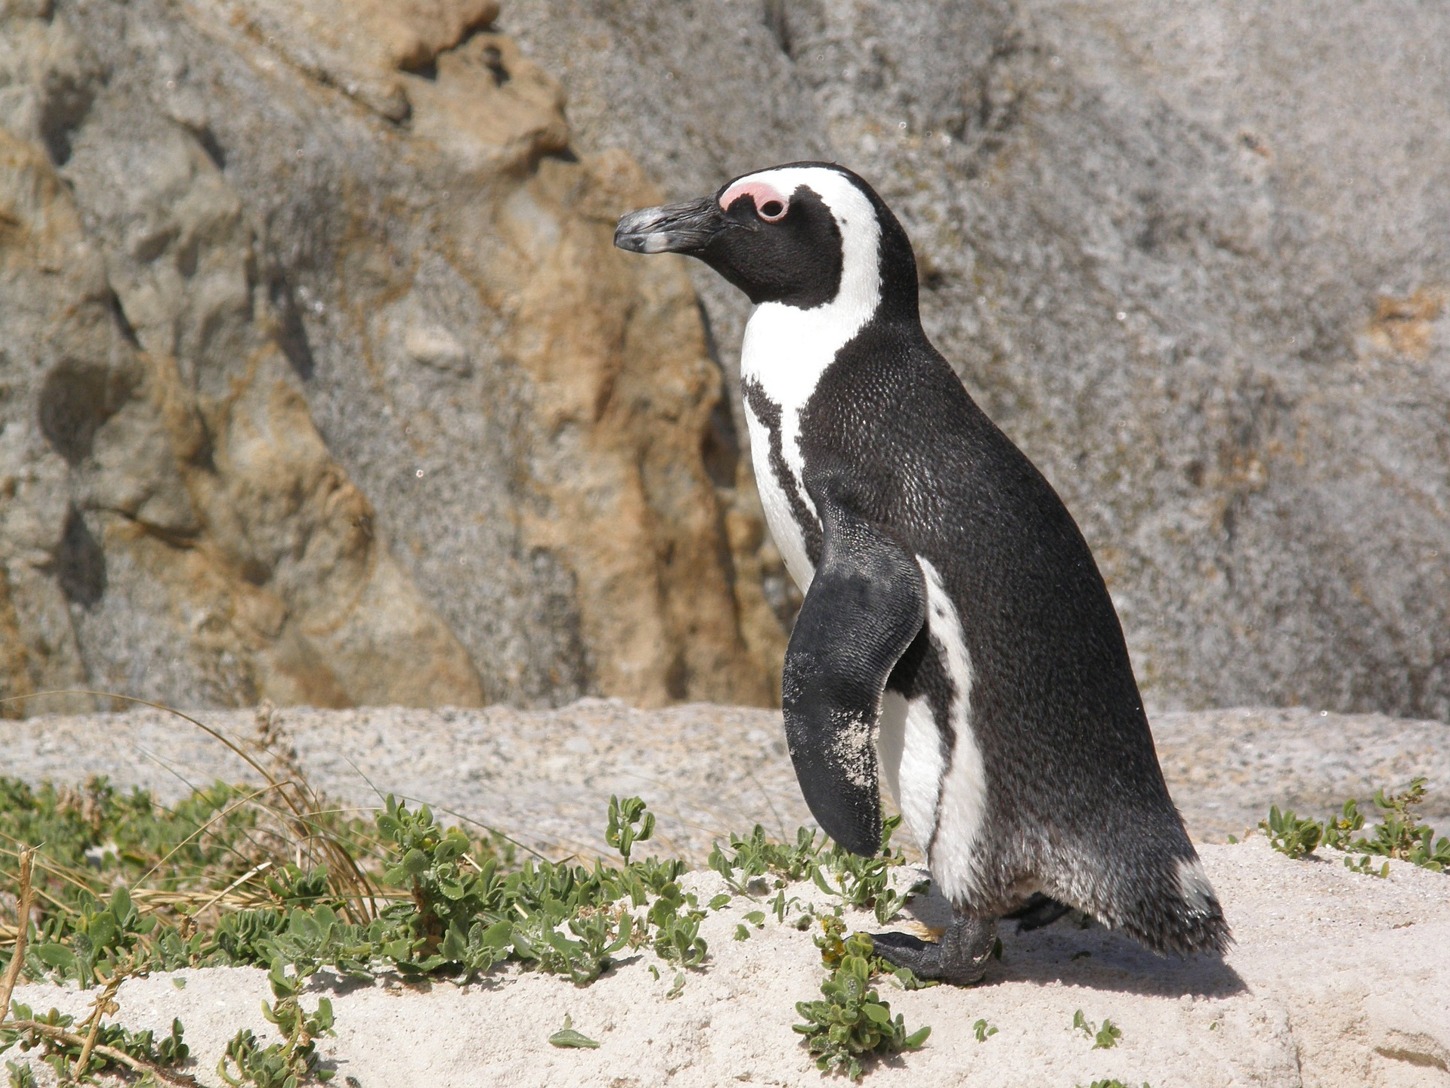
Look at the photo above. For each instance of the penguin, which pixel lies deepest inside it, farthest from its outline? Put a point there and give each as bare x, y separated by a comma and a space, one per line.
956, 636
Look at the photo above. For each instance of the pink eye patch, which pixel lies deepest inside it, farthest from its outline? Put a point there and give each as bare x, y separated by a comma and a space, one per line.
770, 204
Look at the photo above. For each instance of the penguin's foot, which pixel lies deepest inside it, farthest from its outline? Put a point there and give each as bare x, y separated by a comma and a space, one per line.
960, 957
1037, 912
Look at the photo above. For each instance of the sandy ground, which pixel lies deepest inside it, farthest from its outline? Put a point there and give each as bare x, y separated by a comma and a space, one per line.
1337, 978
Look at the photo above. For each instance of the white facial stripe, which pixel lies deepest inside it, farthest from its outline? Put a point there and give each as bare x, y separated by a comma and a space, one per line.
860, 289
787, 349
962, 807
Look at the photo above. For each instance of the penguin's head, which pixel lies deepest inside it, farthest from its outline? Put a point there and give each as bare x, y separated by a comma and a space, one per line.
806, 234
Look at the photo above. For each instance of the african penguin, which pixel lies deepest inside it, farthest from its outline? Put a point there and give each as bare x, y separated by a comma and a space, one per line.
955, 633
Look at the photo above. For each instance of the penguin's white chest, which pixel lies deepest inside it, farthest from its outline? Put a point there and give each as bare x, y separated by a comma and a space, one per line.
778, 483
785, 352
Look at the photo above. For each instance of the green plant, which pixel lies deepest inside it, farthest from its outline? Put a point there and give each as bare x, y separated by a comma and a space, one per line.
676, 918
103, 1047
751, 858
835, 945
1336, 830
753, 863
468, 915
852, 1023
1290, 835
780, 905
292, 1061
982, 1030
866, 882
567, 1037
628, 822
441, 901
124, 885
1104, 1038
1398, 834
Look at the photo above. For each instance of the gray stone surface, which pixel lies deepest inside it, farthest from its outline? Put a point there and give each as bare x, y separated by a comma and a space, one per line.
544, 777
1191, 256
320, 380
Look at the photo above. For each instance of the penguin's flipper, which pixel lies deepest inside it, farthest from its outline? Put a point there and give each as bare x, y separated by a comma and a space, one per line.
865, 605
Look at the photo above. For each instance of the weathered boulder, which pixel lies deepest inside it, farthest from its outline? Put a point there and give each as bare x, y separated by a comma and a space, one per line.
1192, 257
321, 382
546, 774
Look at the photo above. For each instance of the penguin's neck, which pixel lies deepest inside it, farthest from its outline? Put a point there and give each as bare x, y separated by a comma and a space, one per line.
787, 348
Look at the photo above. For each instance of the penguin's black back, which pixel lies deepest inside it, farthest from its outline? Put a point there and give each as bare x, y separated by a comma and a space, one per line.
1054, 708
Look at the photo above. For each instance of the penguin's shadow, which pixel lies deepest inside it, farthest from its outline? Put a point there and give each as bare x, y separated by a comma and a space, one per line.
1079, 952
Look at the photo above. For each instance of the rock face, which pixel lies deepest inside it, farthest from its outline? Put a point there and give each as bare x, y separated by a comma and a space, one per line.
1191, 257
321, 382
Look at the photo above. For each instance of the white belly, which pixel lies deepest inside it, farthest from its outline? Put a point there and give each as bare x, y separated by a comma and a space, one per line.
943, 801
909, 748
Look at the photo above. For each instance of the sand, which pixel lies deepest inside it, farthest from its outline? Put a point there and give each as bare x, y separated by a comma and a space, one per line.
1337, 978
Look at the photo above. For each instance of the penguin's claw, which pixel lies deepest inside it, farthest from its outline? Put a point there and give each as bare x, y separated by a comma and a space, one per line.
960, 958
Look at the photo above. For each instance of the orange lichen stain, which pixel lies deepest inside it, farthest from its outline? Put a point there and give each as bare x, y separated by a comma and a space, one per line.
1404, 326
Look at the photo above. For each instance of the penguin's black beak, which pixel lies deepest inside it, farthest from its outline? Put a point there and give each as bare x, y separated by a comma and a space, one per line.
687, 227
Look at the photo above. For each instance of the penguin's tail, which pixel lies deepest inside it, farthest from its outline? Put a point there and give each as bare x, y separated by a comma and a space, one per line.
1175, 912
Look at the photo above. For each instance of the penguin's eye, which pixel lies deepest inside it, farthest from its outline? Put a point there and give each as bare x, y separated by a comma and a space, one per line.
772, 210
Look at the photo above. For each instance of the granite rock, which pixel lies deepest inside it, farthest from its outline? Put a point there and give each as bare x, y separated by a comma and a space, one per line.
546, 775
322, 382
1190, 256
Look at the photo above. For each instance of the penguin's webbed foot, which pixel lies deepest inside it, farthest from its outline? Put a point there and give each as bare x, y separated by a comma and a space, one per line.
960, 957
1037, 912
